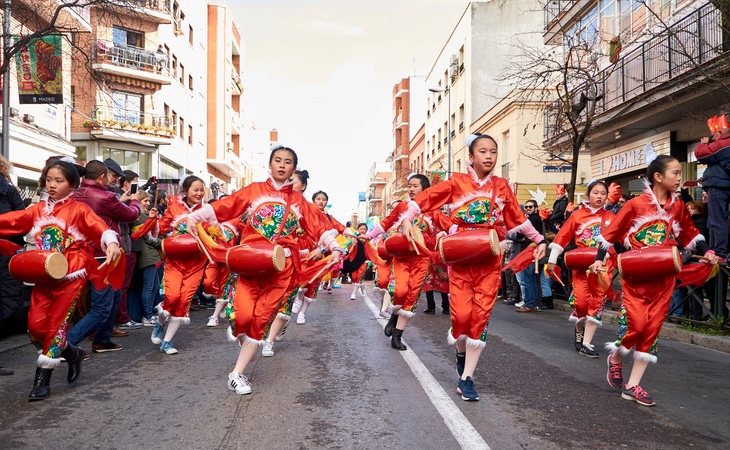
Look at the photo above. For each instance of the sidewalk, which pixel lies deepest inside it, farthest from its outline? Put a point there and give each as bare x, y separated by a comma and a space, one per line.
670, 331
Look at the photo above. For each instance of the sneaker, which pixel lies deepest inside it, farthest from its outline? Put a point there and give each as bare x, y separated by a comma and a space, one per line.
429, 311
588, 351
615, 375
158, 332
329, 290
280, 336
238, 383
212, 321
168, 348
520, 304
149, 322
361, 289
510, 301
577, 339
296, 306
103, 347
353, 296
468, 391
268, 349
131, 325
301, 319
639, 395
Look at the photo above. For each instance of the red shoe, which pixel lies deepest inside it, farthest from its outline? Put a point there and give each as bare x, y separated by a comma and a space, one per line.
639, 395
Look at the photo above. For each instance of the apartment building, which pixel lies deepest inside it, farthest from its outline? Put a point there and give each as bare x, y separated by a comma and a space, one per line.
40, 131
398, 158
464, 81
377, 189
657, 92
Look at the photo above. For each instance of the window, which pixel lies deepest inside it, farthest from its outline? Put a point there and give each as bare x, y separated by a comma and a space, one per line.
174, 66
182, 74
458, 166
168, 169
182, 128
190, 35
139, 162
173, 121
190, 134
127, 107
124, 37
73, 97
190, 82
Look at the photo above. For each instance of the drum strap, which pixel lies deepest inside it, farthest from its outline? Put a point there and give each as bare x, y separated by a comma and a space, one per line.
283, 219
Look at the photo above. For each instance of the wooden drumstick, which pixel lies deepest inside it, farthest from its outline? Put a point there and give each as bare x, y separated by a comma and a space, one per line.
537, 263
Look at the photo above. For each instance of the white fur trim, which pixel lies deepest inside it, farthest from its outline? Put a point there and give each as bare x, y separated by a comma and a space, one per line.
221, 300
164, 314
377, 231
475, 343
528, 230
410, 213
575, 319
108, 237
396, 308
46, 362
79, 274
452, 340
473, 175
486, 195
613, 348
555, 251
403, 312
250, 340
280, 199
693, 243
593, 320
182, 320
327, 237
230, 336
453, 229
604, 243
283, 317
646, 357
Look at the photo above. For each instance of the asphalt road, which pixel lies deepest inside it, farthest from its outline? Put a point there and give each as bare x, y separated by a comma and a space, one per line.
336, 383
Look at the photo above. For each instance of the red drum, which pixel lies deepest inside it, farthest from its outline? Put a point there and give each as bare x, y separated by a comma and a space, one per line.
470, 247
398, 245
382, 252
256, 259
180, 246
580, 258
648, 263
38, 266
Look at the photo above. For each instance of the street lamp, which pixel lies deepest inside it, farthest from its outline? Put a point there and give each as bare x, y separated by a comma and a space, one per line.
447, 90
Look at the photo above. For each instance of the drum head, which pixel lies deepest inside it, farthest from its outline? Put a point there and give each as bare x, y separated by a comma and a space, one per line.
56, 266
494, 242
279, 258
418, 236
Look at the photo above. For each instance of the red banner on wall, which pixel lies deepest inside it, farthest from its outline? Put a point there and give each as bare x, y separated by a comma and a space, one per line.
40, 71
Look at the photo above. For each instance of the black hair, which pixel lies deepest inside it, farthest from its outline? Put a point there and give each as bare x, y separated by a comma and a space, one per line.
95, 169
362, 224
303, 176
188, 181
425, 183
659, 165
532, 201
327, 197
348, 224
594, 184
129, 175
477, 138
287, 149
67, 169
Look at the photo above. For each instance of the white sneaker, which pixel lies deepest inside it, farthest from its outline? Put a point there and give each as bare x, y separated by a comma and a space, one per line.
238, 383
150, 322
280, 337
212, 321
301, 319
296, 306
353, 296
268, 349
362, 290
520, 304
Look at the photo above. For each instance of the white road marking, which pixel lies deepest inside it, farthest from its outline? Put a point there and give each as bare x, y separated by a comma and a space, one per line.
462, 430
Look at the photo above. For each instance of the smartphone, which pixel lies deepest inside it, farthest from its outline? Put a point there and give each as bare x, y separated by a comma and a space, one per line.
133, 190
691, 183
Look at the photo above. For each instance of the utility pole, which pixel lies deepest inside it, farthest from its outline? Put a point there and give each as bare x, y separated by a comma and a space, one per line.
5, 150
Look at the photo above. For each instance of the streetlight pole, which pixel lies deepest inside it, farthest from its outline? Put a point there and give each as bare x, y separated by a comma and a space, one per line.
5, 148
447, 91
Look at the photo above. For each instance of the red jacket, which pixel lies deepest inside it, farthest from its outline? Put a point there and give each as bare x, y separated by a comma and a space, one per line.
106, 205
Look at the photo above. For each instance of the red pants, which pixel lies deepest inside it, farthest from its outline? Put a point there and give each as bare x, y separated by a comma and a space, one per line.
257, 300
312, 289
588, 296
645, 306
357, 275
51, 308
214, 279
473, 289
409, 273
384, 273
182, 279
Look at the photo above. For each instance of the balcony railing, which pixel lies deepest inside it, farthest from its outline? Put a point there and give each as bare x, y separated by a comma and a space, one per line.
691, 42
236, 78
554, 9
162, 6
107, 52
129, 120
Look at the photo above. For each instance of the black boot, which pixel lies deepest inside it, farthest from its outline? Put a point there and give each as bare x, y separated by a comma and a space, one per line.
395, 340
74, 356
41, 385
430, 304
445, 303
390, 326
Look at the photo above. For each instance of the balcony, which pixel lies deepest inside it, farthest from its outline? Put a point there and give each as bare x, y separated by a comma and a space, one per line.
157, 11
237, 84
656, 69
70, 18
128, 125
130, 63
229, 163
557, 15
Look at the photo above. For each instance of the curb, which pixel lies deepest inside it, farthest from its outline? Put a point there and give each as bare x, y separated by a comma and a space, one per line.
670, 331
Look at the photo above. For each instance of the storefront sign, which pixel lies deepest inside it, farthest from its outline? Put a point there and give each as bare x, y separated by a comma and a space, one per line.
622, 162
553, 169
628, 158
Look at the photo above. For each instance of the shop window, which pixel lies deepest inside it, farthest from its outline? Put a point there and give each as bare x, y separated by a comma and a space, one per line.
139, 162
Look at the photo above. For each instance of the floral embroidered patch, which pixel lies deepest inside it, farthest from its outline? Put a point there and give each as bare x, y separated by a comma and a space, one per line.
652, 233
267, 217
589, 236
51, 238
477, 211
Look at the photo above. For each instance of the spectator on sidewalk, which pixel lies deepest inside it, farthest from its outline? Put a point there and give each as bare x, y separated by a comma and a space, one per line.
112, 210
557, 216
148, 262
124, 322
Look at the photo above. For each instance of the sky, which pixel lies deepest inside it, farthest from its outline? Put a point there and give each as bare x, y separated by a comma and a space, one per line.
322, 73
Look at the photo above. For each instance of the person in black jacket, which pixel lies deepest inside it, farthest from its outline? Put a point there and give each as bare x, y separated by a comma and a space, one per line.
557, 216
11, 290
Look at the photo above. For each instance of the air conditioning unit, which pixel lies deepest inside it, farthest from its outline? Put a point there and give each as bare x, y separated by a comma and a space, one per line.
27, 118
14, 112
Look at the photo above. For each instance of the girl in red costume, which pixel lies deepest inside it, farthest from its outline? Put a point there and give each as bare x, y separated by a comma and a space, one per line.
356, 262
59, 224
655, 218
274, 212
182, 274
584, 226
409, 272
479, 200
